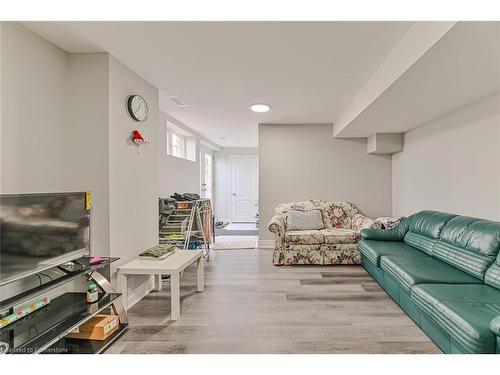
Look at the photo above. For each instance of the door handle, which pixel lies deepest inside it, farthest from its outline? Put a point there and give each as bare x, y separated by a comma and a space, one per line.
234, 194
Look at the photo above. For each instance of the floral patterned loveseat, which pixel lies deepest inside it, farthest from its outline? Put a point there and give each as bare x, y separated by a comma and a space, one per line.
335, 244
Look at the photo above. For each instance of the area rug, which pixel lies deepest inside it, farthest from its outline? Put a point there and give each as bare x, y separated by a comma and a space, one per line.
233, 232
229, 243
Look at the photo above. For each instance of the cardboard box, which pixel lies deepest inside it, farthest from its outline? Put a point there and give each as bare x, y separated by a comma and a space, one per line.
99, 327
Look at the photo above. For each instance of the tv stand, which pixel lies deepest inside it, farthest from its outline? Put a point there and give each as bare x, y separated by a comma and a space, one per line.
44, 330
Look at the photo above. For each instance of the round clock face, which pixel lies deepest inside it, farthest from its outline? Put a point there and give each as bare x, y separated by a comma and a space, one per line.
137, 107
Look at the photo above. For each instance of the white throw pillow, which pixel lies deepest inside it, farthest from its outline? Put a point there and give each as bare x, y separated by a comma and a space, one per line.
304, 220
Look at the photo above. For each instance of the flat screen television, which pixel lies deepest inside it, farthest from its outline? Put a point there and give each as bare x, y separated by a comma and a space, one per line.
41, 231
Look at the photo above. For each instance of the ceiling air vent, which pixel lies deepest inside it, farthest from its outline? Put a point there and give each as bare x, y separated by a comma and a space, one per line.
177, 101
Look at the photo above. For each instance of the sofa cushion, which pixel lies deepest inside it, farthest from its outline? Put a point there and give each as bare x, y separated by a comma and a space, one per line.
374, 250
420, 242
424, 229
394, 234
463, 310
492, 276
423, 269
300, 206
469, 244
304, 220
339, 214
312, 204
304, 237
429, 223
340, 235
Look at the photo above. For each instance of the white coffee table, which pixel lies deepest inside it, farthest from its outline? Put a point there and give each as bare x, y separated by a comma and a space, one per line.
173, 266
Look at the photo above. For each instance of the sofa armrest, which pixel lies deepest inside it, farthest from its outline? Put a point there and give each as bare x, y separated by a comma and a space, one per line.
360, 221
277, 225
495, 326
394, 234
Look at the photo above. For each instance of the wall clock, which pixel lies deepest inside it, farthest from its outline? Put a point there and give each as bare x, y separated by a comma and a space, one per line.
137, 108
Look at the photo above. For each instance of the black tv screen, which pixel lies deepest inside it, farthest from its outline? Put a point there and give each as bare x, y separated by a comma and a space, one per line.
40, 231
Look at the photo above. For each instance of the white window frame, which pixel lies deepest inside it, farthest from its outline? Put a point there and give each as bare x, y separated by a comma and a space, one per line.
171, 148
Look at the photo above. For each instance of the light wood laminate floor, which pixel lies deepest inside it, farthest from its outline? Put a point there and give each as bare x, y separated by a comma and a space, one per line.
252, 306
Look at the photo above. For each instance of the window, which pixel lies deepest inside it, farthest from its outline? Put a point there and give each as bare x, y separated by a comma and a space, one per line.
178, 145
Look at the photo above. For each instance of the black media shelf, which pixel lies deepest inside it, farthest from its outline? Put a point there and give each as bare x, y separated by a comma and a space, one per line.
45, 287
43, 328
78, 346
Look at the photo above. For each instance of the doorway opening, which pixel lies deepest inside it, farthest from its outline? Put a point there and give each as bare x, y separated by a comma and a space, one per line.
239, 229
244, 190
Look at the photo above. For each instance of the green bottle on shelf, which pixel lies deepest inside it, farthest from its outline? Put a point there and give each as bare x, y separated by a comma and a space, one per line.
92, 293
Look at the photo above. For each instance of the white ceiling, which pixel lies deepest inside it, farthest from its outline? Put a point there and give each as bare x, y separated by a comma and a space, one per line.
307, 71
461, 68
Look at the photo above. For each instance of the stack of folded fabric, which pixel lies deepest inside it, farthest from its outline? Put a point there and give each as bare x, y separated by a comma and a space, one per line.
158, 252
166, 208
185, 197
173, 236
389, 222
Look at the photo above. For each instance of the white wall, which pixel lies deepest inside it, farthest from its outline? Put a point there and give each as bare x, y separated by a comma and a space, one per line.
54, 126
452, 164
222, 179
65, 127
34, 128
176, 175
55, 112
87, 139
133, 176
300, 162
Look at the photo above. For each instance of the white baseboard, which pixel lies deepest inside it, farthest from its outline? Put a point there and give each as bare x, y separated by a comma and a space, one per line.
266, 243
140, 292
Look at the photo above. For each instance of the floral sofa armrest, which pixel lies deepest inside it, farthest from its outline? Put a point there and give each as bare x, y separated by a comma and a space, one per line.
495, 326
360, 221
277, 225
394, 234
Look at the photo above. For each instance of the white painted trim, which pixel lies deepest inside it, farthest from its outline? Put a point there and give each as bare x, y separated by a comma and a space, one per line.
210, 145
193, 132
266, 243
140, 292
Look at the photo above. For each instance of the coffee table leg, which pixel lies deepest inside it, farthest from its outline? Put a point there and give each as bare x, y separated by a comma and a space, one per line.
199, 271
124, 290
157, 282
175, 296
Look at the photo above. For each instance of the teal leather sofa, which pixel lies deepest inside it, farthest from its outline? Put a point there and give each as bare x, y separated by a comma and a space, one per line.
444, 272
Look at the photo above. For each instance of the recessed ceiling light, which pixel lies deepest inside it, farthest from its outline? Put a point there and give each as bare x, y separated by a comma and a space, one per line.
260, 107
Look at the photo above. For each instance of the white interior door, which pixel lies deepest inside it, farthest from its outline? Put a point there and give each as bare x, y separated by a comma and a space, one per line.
244, 188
